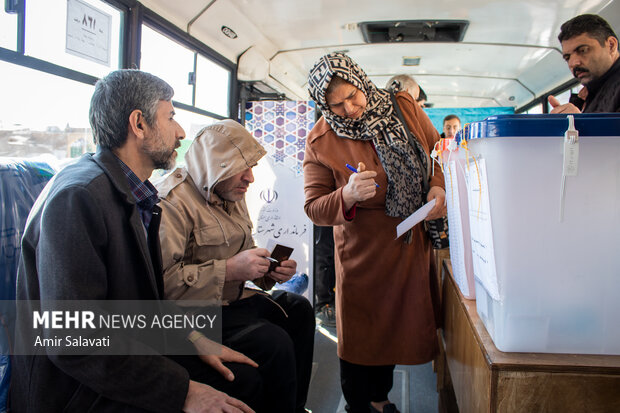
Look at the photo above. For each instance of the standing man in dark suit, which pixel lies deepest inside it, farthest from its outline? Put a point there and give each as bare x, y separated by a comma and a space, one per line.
590, 48
93, 235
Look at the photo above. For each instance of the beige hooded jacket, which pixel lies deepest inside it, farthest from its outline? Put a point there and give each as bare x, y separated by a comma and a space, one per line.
199, 231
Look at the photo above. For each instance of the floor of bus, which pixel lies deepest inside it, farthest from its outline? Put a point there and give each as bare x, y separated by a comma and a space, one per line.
414, 388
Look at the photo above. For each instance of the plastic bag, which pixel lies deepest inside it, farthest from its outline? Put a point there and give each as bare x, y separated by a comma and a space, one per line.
21, 183
298, 284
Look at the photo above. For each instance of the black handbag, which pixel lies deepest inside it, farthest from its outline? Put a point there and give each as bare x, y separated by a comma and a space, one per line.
436, 229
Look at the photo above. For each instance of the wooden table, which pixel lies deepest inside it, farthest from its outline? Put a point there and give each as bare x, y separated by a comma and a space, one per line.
485, 379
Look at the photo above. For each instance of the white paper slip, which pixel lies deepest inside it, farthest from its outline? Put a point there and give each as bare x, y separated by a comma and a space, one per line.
414, 218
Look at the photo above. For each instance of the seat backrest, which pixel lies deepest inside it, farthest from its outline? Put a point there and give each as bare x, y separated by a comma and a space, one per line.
21, 182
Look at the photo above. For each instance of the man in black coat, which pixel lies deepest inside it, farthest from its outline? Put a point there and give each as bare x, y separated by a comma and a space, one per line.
93, 235
590, 48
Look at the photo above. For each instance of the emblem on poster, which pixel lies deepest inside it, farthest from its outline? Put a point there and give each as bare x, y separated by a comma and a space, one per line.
268, 195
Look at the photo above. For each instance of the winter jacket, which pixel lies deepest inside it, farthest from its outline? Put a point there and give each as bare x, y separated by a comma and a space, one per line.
385, 288
199, 230
604, 93
84, 240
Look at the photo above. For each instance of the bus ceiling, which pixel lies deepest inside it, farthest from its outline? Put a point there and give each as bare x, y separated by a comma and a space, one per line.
471, 53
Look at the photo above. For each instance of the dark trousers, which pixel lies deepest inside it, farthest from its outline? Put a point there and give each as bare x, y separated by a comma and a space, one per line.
324, 273
277, 332
363, 384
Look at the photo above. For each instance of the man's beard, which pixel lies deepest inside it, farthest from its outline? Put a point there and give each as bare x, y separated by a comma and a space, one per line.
164, 161
161, 156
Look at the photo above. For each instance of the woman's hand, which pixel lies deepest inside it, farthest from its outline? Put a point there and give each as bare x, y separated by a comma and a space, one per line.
439, 210
361, 186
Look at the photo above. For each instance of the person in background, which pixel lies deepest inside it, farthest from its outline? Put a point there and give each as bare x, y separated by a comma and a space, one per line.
208, 254
325, 276
93, 235
451, 125
385, 287
422, 98
590, 48
404, 83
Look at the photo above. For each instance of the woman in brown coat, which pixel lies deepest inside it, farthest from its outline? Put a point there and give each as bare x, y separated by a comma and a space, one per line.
383, 285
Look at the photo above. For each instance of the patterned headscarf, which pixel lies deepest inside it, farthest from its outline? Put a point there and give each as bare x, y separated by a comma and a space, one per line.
380, 124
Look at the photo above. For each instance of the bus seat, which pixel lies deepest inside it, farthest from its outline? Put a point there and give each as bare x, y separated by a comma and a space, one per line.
21, 182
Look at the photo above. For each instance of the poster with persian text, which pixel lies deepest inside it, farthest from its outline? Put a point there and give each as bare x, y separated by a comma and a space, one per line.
276, 198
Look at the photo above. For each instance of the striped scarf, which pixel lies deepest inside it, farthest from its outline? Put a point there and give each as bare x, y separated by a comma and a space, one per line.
380, 124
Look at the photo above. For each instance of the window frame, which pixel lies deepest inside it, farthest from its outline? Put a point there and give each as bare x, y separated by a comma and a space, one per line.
542, 100
165, 28
133, 15
19, 57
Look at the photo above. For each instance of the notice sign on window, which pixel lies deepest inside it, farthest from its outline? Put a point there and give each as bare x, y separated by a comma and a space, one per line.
88, 32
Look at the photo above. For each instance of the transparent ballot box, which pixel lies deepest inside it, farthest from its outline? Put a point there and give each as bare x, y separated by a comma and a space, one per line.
544, 215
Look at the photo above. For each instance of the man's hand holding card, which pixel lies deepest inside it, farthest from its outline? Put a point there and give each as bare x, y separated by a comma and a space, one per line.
281, 267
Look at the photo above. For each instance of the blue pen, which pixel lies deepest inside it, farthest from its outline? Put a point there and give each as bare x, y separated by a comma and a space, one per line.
355, 170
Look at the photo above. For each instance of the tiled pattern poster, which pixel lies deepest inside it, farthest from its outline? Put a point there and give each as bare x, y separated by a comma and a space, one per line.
276, 198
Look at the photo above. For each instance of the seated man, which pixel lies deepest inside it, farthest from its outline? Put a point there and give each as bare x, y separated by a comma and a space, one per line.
93, 235
208, 254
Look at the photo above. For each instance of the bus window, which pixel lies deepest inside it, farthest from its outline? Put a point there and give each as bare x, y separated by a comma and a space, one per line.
212, 83
170, 61
535, 110
46, 115
46, 34
197, 81
8, 30
563, 97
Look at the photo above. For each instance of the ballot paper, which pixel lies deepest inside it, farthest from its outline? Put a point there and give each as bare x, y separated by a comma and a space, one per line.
414, 218
481, 228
